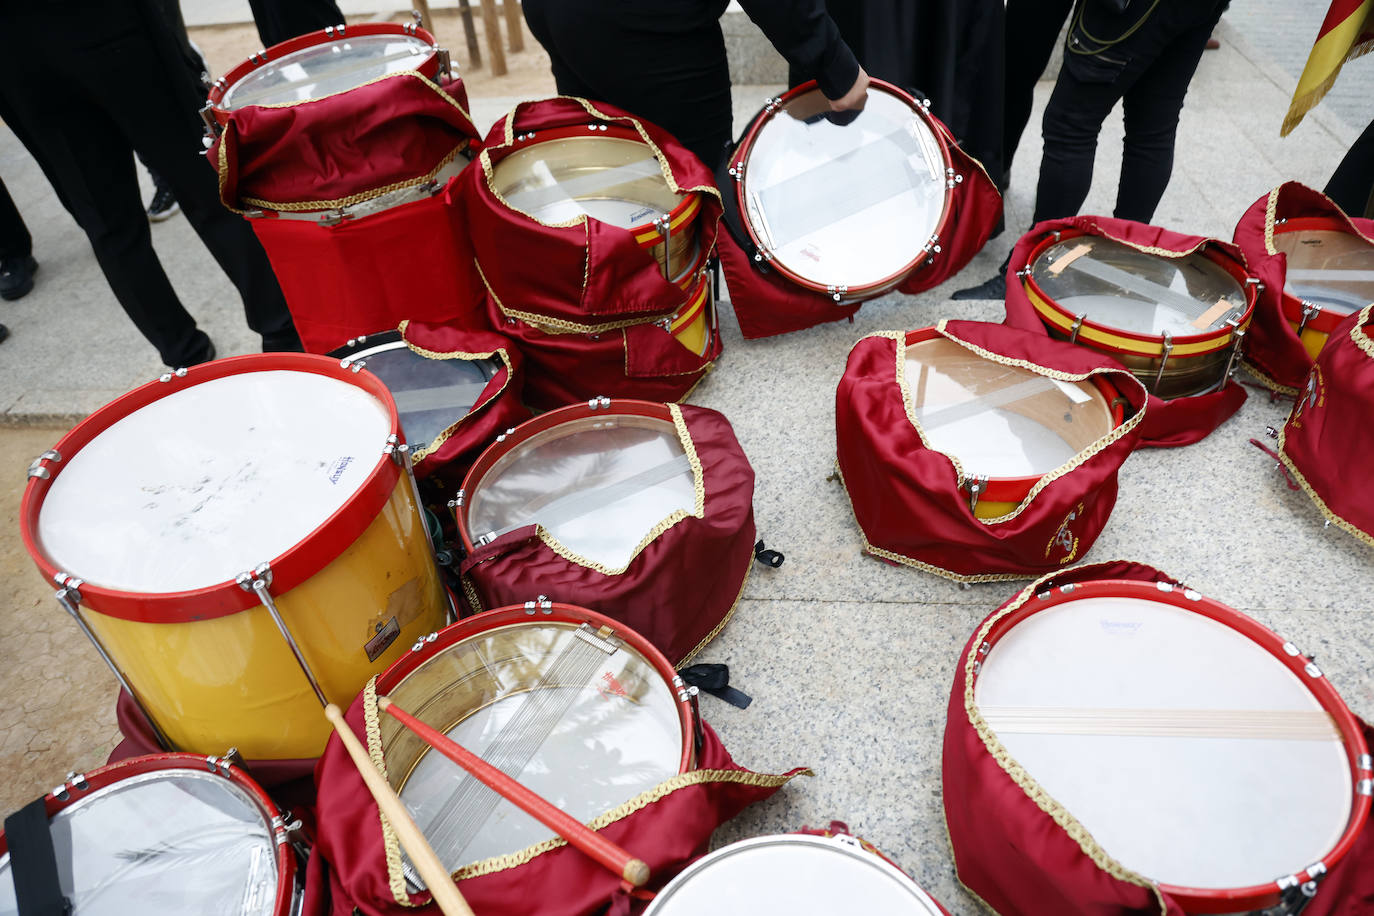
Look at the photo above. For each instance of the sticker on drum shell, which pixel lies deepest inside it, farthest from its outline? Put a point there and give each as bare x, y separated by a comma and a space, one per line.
386, 635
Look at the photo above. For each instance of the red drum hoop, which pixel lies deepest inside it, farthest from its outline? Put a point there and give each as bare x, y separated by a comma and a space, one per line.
739, 170
80, 789
1240, 899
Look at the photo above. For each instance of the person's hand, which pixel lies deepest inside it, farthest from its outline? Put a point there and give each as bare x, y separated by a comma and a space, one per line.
854, 99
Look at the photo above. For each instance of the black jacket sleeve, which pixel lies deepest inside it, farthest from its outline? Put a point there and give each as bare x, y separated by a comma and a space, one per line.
804, 33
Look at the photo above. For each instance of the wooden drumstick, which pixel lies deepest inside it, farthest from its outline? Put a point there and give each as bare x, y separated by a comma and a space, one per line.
634, 871
436, 877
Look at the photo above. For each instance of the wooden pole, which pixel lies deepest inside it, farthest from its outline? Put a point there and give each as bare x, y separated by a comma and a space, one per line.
515, 25
493, 30
436, 877
470, 34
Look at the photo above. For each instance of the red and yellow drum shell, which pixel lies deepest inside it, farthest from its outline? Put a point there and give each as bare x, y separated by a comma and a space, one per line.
76, 789
1204, 355
858, 293
1314, 330
1206, 900
430, 67
695, 325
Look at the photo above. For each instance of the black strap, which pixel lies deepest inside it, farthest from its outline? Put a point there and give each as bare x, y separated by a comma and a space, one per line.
715, 680
33, 864
771, 558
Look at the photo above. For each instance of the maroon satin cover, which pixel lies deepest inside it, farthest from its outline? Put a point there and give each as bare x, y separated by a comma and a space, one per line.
1329, 437
1007, 850
1272, 347
1172, 422
668, 834
497, 409
908, 500
676, 591
583, 301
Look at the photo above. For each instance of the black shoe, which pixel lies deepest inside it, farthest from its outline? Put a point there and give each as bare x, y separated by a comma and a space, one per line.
207, 353
16, 277
993, 288
164, 205
4, 333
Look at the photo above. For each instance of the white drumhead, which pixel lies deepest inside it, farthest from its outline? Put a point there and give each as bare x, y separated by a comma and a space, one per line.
844, 205
164, 843
1334, 270
1188, 751
588, 732
1121, 287
327, 68
795, 874
212, 480
999, 421
599, 485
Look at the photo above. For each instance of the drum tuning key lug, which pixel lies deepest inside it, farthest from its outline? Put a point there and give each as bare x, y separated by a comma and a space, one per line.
976, 487
1165, 349
444, 60
953, 178
837, 292
772, 104
212, 127
1238, 337
1256, 282
337, 30
175, 373
74, 781
601, 401
37, 468
424, 641
541, 603
1310, 310
1077, 325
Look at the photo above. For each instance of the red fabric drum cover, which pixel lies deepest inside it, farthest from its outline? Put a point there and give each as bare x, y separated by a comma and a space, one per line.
589, 320
767, 302
1329, 436
680, 585
912, 503
1023, 853
667, 825
338, 191
1273, 348
1173, 421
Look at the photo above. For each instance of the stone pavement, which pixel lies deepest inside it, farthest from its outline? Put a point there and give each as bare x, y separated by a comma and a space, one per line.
849, 660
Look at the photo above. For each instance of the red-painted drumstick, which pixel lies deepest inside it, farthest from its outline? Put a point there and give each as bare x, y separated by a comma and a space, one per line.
632, 870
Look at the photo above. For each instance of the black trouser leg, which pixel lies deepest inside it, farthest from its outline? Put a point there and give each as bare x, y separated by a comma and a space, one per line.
278, 20
15, 241
1352, 184
1032, 29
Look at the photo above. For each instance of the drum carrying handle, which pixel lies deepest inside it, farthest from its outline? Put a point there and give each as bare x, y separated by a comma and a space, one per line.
258, 581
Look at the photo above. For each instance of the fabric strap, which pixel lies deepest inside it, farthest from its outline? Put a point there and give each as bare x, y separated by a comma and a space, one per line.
33, 864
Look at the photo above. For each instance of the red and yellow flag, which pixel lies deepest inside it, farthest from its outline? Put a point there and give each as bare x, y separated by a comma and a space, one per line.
1347, 32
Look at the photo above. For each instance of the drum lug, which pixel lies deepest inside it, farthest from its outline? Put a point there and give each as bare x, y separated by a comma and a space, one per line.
335, 31
77, 781
288, 829
258, 57
1077, 326
424, 641
933, 246
396, 450
771, 105
457, 501
976, 487
415, 20
1238, 336
36, 468
175, 373
212, 127
953, 178
664, 225
1309, 311
541, 603
334, 217
1166, 349
600, 401
257, 581
737, 171
837, 292
1257, 283
445, 62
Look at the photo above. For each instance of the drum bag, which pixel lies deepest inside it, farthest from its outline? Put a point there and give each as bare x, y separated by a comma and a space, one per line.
33, 862
1012, 847
1172, 422
668, 827
907, 498
1272, 347
676, 592
1329, 437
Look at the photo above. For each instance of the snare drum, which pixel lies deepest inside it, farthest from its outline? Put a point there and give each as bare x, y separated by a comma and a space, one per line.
576, 706
1003, 426
848, 211
800, 874
609, 173
1329, 274
164, 836
1175, 322
1182, 739
242, 541
327, 62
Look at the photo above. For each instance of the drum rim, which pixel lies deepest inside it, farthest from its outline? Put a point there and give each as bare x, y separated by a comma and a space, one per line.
1104, 337
426, 649
312, 553
1326, 320
835, 843
1014, 489
341, 32
1191, 898
602, 407
112, 774
645, 234
738, 163
365, 346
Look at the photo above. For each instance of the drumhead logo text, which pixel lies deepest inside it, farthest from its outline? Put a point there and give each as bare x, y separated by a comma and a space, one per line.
339, 467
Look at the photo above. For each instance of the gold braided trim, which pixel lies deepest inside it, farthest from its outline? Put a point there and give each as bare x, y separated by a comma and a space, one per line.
715, 631
643, 800
1271, 211
1330, 516
554, 326
1266, 381
1159, 252
437, 442
913, 563
350, 200
470, 592
373, 727
1358, 335
1045, 480
698, 511
1033, 790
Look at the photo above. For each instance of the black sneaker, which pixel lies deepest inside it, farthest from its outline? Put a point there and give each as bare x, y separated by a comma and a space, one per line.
164, 205
4, 333
16, 277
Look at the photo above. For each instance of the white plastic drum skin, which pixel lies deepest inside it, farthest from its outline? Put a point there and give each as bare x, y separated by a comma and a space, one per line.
797, 875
